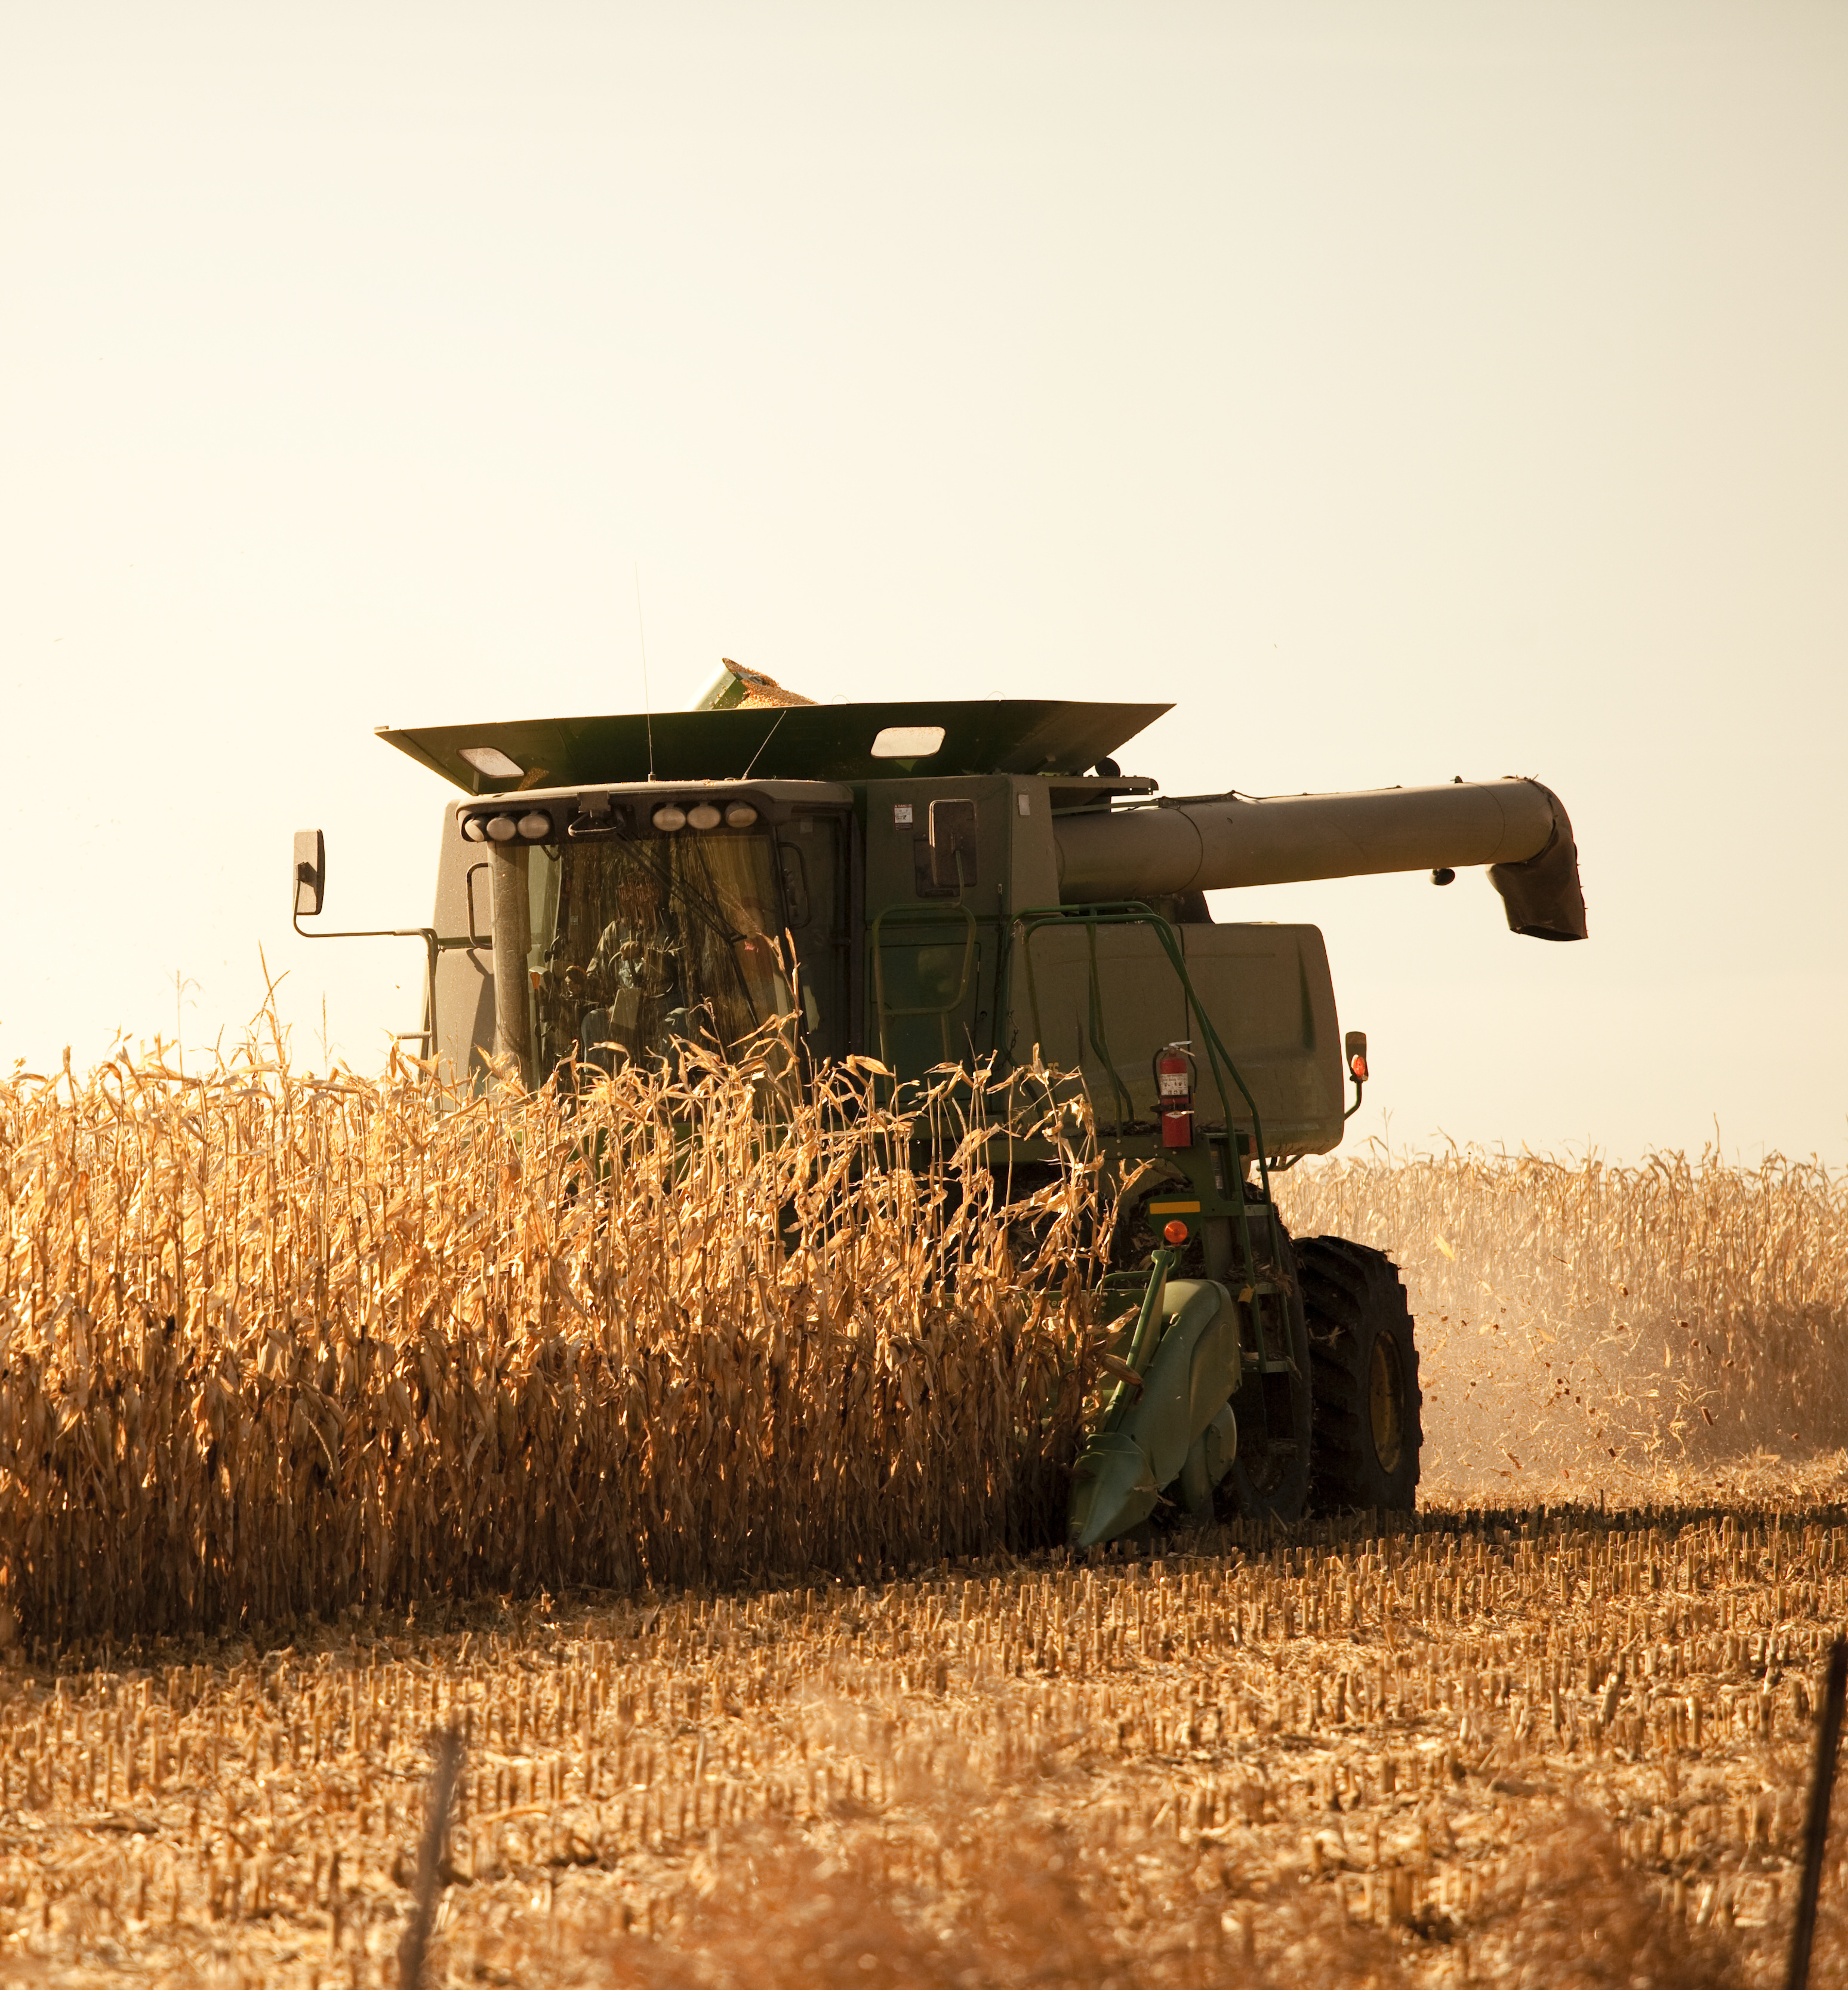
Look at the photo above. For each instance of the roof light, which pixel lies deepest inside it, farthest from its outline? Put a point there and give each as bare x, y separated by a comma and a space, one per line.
669, 818
503, 828
907, 742
740, 815
474, 827
490, 761
536, 826
702, 815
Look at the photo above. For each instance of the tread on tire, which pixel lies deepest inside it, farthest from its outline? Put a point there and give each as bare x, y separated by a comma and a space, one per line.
1363, 1371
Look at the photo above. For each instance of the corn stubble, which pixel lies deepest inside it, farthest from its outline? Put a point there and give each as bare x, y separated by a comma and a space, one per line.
311, 1389
1501, 1747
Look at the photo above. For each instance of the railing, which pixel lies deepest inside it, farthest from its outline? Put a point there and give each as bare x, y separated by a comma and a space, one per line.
1130, 912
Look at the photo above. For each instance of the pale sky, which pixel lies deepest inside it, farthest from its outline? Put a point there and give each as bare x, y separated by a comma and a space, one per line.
1403, 390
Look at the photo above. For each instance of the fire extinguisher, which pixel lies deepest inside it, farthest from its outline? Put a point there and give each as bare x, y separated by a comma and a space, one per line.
1174, 1094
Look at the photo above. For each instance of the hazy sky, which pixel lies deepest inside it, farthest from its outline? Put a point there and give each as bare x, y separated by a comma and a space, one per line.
1403, 390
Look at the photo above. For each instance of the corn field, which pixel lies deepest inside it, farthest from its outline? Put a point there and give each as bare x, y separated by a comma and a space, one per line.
675, 1446
1580, 1321
275, 1344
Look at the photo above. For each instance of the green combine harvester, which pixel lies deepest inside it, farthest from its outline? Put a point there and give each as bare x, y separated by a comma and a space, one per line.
933, 882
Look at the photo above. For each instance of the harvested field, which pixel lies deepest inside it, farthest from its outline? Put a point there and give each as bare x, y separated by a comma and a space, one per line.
1488, 1747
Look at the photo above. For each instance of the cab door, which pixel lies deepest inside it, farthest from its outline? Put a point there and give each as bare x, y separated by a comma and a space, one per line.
817, 850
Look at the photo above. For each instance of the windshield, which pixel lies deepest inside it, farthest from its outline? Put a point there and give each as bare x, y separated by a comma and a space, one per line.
636, 943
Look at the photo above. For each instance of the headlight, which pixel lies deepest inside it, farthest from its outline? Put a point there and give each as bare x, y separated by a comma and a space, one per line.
669, 818
536, 826
740, 815
907, 742
474, 828
702, 815
503, 828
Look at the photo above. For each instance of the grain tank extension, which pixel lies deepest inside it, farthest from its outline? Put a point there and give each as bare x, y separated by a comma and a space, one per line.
931, 881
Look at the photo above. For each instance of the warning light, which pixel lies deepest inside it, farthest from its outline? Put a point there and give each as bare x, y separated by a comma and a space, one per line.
1174, 1231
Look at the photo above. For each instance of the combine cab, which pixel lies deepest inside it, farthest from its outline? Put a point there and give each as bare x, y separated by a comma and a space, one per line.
931, 882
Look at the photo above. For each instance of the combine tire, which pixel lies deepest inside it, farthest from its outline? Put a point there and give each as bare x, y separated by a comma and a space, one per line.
1364, 1366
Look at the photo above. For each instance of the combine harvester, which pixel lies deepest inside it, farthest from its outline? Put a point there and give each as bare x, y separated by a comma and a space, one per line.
963, 881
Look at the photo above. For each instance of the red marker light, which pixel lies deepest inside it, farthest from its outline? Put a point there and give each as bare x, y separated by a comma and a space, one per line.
1358, 1065
1174, 1231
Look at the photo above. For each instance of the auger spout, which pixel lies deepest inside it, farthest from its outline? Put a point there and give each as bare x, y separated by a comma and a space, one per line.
1518, 828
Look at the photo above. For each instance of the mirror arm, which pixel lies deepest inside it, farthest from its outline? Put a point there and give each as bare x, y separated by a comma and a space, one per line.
433, 944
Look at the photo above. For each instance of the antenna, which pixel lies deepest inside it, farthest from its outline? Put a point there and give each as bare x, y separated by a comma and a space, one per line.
767, 737
648, 709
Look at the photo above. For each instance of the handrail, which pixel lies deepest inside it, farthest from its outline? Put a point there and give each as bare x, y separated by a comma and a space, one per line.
1099, 1037
1137, 1356
1132, 912
477, 941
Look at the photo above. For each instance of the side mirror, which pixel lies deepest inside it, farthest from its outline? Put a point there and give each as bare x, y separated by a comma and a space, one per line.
311, 872
1355, 1049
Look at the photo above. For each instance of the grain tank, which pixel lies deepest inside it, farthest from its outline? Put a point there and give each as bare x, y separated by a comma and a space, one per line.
930, 881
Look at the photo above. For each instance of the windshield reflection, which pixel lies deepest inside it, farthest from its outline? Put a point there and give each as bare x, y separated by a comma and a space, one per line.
639, 942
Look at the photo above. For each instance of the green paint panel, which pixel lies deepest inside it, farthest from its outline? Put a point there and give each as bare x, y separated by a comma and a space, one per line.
802, 743
1112, 1491
1195, 1369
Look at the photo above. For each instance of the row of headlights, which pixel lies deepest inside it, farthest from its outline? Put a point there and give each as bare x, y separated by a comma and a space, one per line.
703, 815
536, 825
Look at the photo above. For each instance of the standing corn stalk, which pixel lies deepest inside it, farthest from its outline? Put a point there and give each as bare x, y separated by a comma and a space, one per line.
276, 1344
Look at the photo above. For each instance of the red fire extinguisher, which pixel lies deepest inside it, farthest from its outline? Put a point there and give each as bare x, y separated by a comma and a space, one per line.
1173, 1095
